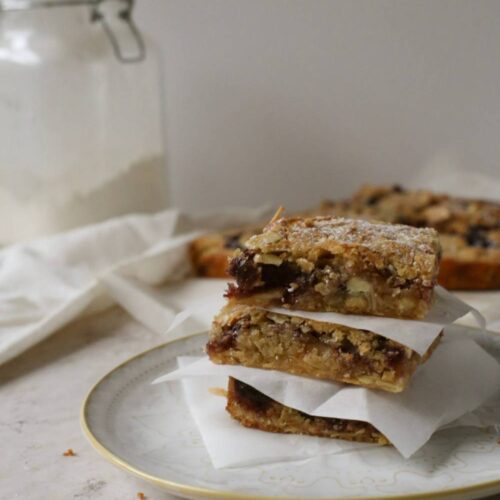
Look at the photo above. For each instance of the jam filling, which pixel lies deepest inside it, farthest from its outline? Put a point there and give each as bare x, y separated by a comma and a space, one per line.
228, 338
225, 342
252, 277
250, 398
245, 271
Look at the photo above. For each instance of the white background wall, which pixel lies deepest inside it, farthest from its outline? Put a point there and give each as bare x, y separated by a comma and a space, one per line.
295, 100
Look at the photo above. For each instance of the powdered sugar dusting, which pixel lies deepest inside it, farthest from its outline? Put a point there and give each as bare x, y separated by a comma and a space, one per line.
363, 232
374, 235
409, 251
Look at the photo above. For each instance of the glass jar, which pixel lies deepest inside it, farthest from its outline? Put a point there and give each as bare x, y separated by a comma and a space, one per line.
80, 116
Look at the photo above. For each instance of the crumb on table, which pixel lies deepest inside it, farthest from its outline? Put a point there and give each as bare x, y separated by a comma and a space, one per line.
141, 496
69, 453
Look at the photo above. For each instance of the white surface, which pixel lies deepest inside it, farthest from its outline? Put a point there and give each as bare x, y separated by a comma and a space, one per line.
40, 395
457, 379
290, 101
148, 426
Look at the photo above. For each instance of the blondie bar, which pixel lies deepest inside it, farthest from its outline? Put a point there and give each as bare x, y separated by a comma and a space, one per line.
254, 337
334, 264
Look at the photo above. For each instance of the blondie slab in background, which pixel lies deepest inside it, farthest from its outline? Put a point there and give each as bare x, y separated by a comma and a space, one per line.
334, 264
469, 229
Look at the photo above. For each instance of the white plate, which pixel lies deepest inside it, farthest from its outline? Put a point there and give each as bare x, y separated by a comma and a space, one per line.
148, 431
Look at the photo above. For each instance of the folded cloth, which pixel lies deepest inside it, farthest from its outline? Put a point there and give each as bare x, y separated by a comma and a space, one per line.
47, 283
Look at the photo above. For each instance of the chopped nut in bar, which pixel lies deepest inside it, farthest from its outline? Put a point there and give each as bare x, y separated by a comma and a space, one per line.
349, 266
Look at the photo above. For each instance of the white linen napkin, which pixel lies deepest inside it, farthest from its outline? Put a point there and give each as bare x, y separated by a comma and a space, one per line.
47, 283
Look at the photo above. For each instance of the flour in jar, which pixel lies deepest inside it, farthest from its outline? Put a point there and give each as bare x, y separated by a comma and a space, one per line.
139, 188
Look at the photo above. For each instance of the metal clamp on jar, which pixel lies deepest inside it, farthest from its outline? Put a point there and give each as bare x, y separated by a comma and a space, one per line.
80, 116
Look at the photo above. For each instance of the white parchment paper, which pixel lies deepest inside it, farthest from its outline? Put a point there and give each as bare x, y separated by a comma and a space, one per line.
458, 378
229, 444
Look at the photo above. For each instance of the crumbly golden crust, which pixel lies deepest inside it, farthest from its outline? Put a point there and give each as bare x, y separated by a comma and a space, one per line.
249, 336
255, 410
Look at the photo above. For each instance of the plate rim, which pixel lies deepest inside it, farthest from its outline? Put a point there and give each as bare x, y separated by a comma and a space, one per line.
182, 488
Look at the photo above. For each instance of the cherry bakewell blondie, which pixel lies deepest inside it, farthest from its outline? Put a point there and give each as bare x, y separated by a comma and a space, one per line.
254, 337
253, 409
334, 264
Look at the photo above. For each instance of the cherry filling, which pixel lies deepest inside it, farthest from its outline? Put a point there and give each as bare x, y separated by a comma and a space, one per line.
252, 277
250, 398
245, 271
227, 340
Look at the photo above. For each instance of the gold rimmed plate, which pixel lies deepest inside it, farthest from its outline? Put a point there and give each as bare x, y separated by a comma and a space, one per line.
148, 431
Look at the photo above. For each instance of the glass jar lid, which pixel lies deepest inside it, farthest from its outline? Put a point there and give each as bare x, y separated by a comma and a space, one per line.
33, 4
114, 15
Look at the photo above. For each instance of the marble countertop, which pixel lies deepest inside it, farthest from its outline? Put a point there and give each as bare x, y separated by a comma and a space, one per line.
41, 393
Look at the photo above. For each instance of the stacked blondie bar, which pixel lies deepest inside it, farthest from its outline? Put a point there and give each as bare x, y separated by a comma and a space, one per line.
323, 264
